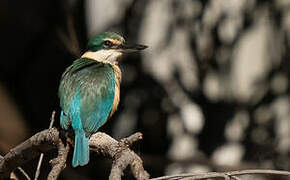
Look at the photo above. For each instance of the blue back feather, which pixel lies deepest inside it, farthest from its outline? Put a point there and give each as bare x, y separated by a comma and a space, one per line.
86, 94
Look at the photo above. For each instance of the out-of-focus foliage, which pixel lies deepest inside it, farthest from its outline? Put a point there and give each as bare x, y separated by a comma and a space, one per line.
221, 71
210, 93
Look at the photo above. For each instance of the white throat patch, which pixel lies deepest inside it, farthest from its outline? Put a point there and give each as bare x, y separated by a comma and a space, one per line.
106, 56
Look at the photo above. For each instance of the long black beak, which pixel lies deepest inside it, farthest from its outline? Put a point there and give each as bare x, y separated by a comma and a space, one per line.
127, 48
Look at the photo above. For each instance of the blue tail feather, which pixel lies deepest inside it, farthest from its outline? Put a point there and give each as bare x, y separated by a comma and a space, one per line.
81, 150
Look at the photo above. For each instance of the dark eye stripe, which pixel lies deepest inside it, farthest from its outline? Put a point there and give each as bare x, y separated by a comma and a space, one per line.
108, 43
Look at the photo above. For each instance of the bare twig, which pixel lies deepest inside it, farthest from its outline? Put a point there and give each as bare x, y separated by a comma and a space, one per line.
24, 173
52, 119
38, 166
258, 171
225, 175
59, 163
122, 156
131, 139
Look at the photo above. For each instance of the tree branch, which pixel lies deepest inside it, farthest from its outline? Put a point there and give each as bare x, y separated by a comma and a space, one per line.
24, 173
120, 153
37, 173
49, 139
225, 175
43, 141
59, 163
129, 141
101, 143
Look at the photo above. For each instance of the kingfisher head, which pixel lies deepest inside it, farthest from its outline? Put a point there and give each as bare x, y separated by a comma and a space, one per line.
108, 47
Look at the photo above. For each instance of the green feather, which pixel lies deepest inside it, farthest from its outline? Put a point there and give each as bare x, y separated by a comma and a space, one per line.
95, 82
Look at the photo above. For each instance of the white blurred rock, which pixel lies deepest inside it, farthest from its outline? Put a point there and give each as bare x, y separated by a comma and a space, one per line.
167, 55
260, 135
174, 168
216, 8
155, 24
183, 147
286, 24
212, 86
283, 130
192, 117
212, 13
178, 168
229, 28
286, 21
233, 7
251, 64
189, 8
229, 154
176, 94
282, 3
281, 109
153, 31
183, 59
263, 115
176, 56
100, 14
174, 126
196, 168
235, 129
279, 83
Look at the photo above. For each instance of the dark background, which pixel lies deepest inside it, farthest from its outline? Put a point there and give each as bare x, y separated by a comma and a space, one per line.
211, 93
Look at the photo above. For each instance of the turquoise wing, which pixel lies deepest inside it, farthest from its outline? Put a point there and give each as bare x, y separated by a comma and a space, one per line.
86, 93
87, 88
97, 97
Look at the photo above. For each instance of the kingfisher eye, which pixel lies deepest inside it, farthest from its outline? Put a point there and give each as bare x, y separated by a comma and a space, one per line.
108, 43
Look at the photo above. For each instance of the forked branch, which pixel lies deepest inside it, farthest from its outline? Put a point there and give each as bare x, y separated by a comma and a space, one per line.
49, 139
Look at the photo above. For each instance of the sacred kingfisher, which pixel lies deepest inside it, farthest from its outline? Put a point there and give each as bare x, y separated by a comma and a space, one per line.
89, 90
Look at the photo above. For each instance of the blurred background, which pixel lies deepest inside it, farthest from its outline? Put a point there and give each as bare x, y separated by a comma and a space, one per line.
211, 93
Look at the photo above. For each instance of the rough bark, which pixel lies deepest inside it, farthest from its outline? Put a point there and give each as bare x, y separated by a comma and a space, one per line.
49, 139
